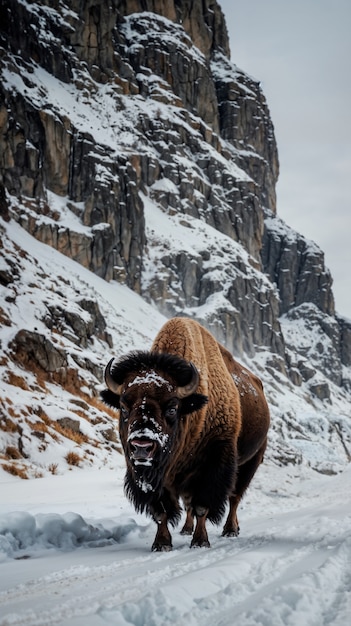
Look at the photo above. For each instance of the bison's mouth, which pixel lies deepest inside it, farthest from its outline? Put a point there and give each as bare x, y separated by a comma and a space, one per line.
142, 451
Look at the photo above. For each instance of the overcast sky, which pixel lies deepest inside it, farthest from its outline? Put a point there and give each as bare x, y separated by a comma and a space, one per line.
301, 53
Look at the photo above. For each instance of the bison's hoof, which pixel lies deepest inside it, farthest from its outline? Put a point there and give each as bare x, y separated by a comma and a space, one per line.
200, 544
231, 532
186, 530
161, 547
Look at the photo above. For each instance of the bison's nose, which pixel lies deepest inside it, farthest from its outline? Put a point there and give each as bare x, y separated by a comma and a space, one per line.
142, 450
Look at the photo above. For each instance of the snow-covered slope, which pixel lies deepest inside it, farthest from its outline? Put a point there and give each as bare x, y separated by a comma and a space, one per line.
50, 296
46, 416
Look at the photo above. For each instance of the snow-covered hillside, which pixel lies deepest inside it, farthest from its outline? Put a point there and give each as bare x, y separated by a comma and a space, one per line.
50, 297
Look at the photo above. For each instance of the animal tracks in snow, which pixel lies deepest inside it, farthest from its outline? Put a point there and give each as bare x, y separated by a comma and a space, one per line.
261, 580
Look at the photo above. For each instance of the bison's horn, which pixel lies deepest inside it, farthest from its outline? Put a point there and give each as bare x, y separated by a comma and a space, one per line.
183, 392
110, 383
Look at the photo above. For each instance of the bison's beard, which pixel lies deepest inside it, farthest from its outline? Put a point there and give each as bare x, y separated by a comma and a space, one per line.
144, 481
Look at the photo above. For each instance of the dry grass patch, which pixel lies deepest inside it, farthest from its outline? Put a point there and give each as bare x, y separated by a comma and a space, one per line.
16, 381
4, 318
69, 379
38, 426
77, 437
12, 452
39, 411
73, 458
15, 470
7, 425
40, 429
51, 427
81, 413
17, 413
41, 377
12, 412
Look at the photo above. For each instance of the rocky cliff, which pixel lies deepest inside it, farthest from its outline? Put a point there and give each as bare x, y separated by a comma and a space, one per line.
131, 143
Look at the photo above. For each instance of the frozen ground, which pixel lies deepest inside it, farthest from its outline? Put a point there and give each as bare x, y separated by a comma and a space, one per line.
74, 553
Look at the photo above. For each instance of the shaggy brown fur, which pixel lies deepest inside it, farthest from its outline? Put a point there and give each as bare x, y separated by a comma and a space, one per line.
203, 447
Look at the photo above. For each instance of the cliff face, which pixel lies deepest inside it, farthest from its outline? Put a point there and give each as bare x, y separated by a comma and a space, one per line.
131, 143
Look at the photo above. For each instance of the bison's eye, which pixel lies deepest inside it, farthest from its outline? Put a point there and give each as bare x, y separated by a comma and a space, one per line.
171, 412
124, 413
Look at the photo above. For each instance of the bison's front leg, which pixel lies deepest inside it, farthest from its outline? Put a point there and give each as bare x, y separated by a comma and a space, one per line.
163, 539
200, 538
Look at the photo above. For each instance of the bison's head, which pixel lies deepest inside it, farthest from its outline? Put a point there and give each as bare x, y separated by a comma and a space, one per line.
153, 391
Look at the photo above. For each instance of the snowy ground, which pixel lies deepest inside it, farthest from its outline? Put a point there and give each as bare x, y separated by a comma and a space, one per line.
75, 553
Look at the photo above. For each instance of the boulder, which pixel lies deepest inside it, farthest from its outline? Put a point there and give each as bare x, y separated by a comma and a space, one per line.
31, 346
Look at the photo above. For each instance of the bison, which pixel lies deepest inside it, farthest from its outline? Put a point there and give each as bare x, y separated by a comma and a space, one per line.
193, 425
